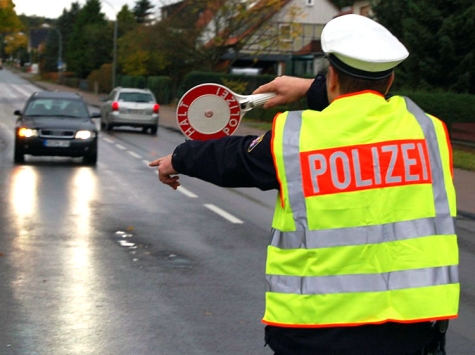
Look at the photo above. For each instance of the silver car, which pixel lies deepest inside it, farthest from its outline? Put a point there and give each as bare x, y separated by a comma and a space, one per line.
130, 107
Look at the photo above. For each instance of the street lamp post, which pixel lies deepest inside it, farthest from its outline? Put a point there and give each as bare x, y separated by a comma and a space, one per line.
114, 52
114, 61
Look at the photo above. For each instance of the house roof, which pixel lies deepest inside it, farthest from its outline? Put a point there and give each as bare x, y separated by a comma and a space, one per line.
314, 46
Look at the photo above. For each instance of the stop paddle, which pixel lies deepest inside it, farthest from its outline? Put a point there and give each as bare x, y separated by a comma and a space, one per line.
211, 111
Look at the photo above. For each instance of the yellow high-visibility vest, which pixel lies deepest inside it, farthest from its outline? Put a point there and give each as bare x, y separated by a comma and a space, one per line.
363, 229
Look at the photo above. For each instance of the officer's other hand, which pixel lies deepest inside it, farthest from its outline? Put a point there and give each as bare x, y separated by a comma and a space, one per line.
288, 89
165, 171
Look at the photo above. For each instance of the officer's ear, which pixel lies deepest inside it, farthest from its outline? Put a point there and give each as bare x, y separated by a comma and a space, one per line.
333, 86
391, 80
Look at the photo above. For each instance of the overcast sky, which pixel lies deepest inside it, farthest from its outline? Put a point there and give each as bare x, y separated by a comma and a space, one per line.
54, 8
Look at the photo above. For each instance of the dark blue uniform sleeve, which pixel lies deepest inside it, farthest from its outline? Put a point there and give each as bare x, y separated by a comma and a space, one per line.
234, 161
317, 98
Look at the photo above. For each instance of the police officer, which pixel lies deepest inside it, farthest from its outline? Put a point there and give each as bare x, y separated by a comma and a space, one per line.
363, 253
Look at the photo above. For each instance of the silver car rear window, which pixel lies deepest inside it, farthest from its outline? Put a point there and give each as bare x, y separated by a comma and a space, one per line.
135, 97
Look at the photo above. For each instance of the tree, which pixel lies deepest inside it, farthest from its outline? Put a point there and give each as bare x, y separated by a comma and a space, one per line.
10, 25
51, 53
90, 44
143, 11
342, 3
9, 21
14, 42
209, 29
65, 26
138, 54
439, 35
126, 20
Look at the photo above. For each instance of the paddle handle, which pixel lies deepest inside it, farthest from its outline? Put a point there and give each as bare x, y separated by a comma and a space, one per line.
257, 100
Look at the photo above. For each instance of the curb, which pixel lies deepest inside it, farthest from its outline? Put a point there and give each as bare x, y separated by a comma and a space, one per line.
467, 215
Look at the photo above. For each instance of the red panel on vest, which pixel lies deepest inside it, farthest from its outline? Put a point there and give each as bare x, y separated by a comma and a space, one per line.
363, 167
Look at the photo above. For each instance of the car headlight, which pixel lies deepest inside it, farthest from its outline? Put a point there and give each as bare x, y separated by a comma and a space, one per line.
27, 132
84, 134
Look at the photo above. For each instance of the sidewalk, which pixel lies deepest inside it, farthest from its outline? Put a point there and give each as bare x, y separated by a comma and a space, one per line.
464, 180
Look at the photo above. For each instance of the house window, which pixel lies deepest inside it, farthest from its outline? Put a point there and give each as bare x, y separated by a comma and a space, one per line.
309, 2
285, 32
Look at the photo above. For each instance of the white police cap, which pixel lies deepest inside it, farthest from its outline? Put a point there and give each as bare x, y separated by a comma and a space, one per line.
362, 47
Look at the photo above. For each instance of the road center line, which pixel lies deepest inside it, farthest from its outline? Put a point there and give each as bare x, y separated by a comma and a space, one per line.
186, 192
223, 214
120, 146
135, 155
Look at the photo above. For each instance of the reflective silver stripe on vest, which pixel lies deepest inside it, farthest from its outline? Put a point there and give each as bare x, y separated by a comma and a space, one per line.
291, 143
309, 239
395, 280
444, 223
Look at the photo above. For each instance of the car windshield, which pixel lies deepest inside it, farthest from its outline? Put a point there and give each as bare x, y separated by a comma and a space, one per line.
61, 107
135, 97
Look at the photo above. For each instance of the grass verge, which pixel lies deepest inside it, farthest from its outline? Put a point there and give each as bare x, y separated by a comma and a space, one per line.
464, 158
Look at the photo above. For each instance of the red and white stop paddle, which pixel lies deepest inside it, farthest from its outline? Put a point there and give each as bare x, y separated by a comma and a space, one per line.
210, 111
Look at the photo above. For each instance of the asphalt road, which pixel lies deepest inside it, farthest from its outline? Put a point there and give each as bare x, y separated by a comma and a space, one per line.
106, 260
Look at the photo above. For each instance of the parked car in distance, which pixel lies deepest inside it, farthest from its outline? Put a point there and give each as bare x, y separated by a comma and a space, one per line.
130, 107
56, 123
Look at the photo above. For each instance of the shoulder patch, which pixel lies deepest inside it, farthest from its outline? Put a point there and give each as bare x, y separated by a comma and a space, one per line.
254, 143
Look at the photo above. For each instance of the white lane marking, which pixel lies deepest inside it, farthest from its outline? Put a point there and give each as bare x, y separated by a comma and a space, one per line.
223, 214
135, 155
120, 147
108, 140
20, 88
186, 192
7, 91
180, 188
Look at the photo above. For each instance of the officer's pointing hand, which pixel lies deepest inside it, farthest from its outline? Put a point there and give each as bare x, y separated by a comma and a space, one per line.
165, 170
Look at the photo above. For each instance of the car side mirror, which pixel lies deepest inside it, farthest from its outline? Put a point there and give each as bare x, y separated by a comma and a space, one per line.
17, 113
96, 115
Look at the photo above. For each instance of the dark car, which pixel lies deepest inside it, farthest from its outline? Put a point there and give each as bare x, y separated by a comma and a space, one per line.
56, 124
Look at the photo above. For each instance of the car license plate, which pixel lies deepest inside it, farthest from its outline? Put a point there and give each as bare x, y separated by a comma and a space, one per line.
56, 143
136, 112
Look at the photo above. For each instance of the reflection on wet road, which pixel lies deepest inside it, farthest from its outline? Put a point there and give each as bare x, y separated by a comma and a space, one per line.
51, 251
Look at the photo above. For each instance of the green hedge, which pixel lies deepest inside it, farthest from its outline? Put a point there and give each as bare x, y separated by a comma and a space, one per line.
126, 81
161, 87
449, 107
